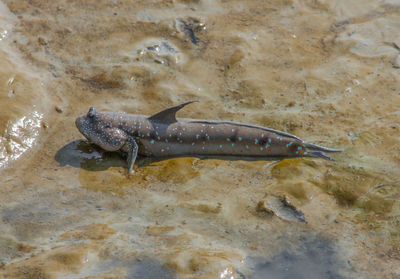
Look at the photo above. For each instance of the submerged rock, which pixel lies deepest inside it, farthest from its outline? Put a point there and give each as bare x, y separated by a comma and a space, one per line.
281, 207
396, 62
189, 27
159, 51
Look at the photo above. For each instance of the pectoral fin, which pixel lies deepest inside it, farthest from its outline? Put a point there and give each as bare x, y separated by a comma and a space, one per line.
132, 149
112, 140
168, 115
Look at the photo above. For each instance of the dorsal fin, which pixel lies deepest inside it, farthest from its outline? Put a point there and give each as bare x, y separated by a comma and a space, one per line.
168, 115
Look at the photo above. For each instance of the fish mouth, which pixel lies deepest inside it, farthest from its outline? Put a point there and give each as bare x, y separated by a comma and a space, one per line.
80, 124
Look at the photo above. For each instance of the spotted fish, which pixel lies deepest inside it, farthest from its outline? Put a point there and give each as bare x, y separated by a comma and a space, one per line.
162, 134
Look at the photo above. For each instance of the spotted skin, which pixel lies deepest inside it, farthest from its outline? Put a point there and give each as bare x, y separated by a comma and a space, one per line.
164, 135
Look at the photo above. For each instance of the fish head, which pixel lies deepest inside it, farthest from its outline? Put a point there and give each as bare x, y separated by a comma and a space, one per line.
88, 123
98, 128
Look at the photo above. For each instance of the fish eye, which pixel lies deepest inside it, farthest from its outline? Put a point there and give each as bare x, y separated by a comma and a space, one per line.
91, 113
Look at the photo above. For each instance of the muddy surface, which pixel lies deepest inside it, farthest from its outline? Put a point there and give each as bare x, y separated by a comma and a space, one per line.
326, 71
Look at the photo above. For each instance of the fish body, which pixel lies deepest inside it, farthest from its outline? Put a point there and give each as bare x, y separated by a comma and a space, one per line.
165, 135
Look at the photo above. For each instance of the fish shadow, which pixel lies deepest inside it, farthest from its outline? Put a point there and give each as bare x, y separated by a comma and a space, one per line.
85, 155
82, 154
88, 156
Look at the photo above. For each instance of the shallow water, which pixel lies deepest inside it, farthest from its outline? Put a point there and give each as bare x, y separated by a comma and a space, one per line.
323, 70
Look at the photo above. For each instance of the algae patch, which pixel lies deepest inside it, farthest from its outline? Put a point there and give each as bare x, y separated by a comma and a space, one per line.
176, 170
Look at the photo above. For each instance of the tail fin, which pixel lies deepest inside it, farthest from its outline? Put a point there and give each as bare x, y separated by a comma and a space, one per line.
314, 147
319, 151
320, 154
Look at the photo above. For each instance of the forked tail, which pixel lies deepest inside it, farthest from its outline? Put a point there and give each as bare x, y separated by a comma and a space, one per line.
319, 151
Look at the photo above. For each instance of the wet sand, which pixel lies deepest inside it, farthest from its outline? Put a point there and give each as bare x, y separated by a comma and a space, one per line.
326, 71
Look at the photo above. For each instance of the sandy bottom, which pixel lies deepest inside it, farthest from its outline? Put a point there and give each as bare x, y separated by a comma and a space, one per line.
326, 71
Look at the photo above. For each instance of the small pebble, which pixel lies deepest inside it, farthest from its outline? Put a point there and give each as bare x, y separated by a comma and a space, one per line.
262, 207
45, 125
42, 41
396, 62
59, 109
397, 44
291, 104
352, 135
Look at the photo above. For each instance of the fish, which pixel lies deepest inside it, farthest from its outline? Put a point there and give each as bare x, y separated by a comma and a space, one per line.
164, 135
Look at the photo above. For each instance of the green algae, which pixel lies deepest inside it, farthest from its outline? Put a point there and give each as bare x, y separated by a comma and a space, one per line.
176, 170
